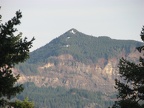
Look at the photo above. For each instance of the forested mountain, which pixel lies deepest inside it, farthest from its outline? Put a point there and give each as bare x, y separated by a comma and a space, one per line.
82, 47
75, 61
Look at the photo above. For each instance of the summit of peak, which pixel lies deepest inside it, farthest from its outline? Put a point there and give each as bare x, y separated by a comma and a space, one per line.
73, 31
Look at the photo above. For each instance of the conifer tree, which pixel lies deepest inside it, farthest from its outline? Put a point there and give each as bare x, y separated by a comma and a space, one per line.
23, 104
13, 50
131, 86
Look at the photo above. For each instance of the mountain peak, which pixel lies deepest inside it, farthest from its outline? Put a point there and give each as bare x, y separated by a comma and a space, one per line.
73, 31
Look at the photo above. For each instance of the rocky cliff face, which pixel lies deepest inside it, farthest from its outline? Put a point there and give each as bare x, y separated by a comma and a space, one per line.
69, 73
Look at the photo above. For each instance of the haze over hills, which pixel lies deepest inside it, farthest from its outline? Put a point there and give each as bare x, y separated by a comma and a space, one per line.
77, 60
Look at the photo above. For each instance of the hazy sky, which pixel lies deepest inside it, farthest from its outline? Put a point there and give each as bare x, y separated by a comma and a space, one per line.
48, 19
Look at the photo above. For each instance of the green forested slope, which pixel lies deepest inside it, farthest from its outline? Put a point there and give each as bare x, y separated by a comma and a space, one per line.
82, 47
60, 97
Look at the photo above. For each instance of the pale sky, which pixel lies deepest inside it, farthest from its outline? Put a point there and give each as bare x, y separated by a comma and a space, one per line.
48, 19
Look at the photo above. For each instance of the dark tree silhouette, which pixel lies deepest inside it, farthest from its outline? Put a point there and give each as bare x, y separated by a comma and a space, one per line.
13, 50
131, 86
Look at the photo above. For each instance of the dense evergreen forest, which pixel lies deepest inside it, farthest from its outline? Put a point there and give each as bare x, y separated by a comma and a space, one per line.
82, 47
60, 97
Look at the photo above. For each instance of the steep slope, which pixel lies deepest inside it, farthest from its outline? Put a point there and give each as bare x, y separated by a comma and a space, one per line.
82, 47
77, 60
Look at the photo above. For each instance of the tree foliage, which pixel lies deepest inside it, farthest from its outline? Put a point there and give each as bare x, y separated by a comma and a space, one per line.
13, 50
131, 85
61, 97
23, 104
